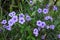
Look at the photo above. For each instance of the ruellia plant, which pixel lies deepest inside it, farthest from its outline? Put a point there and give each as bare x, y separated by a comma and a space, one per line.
29, 20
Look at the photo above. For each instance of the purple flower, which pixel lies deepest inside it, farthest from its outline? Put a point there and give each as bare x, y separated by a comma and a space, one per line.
48, 17
28, 18
35, 32
39, 10
55, 8
47, 6
58, 35
43, 24
52, 27
1, 30
15, 18
11, 22
31, 1
38, 23
21, 20
12, 14
31, 8
3, 22
4, 26
8, 28
47, 27
39, 28
43, 37
21, 15
36, 35
45, 10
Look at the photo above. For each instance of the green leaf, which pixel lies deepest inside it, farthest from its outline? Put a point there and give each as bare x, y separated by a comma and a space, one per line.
32, 38
28, 37
58, 3
33, 13
51, 2
58, 27
56, 22
40, 0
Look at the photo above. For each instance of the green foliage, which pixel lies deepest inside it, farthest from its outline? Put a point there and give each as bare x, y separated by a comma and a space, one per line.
25, 31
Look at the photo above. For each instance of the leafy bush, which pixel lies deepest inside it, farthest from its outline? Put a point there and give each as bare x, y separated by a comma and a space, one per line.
29, 20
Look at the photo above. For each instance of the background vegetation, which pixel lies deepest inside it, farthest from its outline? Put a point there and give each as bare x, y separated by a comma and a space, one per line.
25, 31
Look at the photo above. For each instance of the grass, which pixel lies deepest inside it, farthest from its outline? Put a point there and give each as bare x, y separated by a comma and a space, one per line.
25, 31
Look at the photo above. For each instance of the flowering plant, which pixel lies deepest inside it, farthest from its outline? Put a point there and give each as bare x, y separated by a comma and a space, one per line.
29, 20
